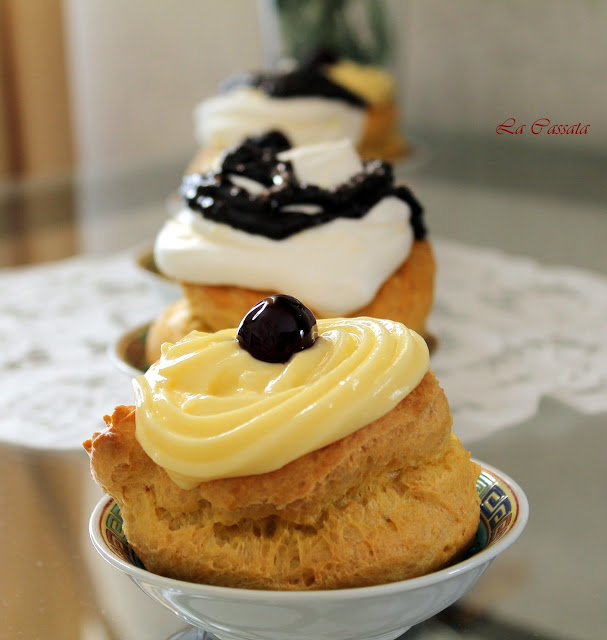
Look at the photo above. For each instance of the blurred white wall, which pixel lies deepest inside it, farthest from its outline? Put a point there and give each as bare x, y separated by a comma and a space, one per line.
471, 64
138, 68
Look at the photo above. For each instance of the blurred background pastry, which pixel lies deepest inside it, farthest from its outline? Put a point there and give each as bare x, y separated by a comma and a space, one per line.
325, 100
328, 74
304, 104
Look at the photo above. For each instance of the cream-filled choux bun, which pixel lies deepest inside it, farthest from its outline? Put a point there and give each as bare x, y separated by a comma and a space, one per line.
324, 99
303, 103
337, 232
290, 454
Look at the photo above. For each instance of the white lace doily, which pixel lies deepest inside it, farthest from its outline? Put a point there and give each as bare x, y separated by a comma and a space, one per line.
510, 331
56, 323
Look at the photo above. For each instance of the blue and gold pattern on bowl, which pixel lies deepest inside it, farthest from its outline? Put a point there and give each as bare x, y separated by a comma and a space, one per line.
110, 527
499, 511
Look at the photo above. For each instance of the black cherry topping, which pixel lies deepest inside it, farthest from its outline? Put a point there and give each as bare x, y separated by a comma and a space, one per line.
282, 209
276, 328
305, 81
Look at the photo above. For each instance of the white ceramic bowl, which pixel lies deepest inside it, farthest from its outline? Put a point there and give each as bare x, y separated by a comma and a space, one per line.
382, 612
128, 352
165, 289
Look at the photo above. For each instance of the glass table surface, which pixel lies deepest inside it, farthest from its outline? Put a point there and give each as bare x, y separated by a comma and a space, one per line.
550, 585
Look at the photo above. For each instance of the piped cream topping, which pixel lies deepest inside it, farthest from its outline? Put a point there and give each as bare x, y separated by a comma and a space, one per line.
334, 268
325, 165
226, 119
207, 409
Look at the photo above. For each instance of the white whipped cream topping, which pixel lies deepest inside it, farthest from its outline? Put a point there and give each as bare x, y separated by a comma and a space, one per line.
226, 119
325, 165
335, 268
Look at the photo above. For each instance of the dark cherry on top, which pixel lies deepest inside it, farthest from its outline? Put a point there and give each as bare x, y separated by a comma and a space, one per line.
276, 328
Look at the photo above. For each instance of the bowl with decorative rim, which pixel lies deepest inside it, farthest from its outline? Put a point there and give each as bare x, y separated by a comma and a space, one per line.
381, 612
128, 352
166, 289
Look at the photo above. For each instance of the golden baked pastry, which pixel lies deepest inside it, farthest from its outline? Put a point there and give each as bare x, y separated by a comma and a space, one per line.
394, 500
290, 455
381, 135
406, 296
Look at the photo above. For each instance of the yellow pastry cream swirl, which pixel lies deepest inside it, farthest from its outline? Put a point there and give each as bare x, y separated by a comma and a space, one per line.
208, 409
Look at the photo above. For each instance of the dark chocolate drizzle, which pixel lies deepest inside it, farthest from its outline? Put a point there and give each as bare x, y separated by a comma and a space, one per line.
308, 81
215, 196
255, 158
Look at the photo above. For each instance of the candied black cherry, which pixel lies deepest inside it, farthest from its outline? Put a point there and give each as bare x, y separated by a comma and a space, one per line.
276, 328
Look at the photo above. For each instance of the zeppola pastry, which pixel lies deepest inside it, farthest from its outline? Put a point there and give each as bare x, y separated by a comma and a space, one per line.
290, 454
325, 100
306, 106
337, 233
